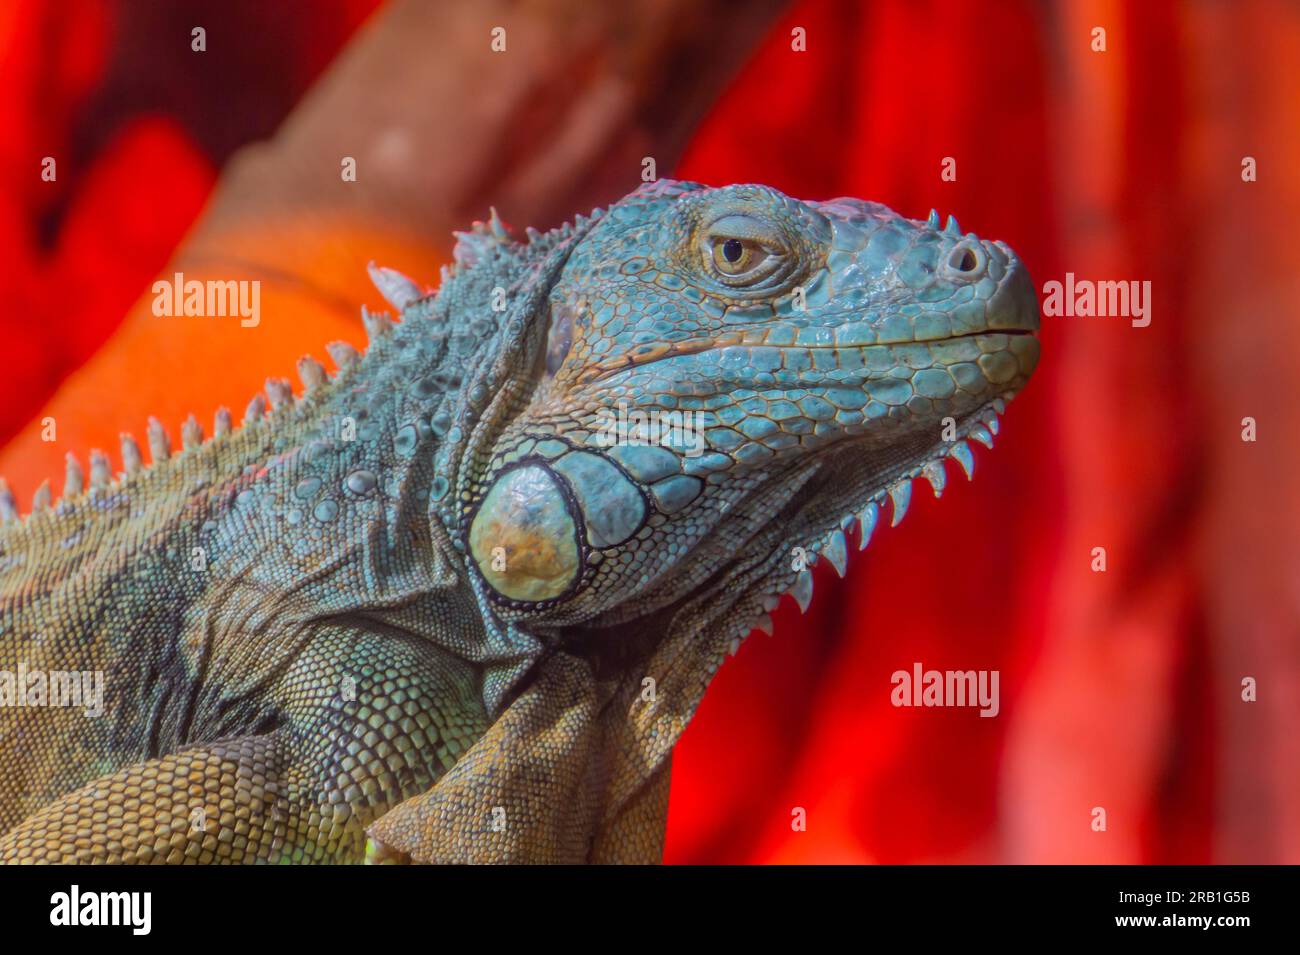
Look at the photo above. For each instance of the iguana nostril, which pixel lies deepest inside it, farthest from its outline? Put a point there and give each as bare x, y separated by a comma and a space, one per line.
963, 259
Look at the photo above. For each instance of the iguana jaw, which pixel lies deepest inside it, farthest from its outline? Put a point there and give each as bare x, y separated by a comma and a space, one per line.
847, 488
884, 490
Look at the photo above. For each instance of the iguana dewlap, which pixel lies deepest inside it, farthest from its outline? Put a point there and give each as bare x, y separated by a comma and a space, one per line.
460, 598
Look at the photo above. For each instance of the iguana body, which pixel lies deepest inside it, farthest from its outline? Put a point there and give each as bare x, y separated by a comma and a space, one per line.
429, 602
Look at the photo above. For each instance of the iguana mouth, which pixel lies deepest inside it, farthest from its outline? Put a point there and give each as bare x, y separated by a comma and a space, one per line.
987, 331
648, 354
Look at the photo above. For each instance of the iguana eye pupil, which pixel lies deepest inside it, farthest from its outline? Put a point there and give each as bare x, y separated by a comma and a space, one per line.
735, 258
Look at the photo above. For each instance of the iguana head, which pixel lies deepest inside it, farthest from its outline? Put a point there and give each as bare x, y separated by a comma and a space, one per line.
716, 384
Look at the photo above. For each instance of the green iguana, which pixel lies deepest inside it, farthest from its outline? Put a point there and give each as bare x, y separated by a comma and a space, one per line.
458, 601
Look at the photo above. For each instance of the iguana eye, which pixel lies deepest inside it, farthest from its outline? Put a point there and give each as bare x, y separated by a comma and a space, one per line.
735, 257
742, 250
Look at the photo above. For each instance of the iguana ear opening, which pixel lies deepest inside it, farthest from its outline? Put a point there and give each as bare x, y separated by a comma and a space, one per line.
518, 528
559, 336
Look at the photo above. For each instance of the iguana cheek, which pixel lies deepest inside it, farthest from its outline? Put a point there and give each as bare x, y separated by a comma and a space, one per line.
523, 538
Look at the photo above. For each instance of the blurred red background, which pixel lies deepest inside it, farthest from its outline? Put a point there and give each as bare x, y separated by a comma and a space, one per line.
1119, 690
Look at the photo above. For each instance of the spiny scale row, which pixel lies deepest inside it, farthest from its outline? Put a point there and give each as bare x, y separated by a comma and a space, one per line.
396, 288
474, 245
835, 546
393, 285
952, 228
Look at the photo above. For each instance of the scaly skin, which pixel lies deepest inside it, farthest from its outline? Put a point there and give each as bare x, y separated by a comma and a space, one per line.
428, 606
